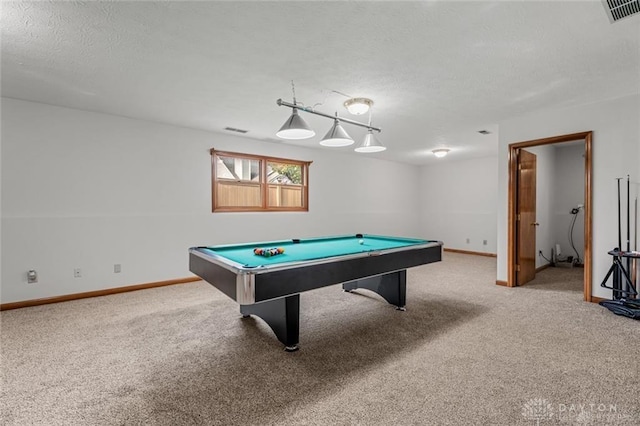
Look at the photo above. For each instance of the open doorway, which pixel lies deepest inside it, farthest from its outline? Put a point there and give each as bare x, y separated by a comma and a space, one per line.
522, 222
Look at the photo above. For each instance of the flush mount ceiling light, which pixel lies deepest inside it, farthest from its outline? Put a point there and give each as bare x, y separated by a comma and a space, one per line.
358, 106
296, 128
440, 152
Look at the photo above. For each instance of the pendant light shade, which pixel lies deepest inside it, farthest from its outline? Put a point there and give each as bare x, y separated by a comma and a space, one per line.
370, 144
336, 136
295, 128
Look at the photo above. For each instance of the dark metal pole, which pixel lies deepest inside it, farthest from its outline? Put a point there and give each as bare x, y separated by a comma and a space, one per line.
619, 218
628, 225
628, 217
634, 270
635, 226
617, 279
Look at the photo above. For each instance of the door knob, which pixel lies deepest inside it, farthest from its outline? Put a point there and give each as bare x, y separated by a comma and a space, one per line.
535, 224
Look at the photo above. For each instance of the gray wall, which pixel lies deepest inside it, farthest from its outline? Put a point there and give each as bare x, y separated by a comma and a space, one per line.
459, 203
88, 190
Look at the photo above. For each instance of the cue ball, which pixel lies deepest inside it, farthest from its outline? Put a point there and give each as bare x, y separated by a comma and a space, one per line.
361, 242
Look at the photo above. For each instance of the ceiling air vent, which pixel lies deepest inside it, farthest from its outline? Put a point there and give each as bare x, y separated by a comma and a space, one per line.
233, 129
618, 9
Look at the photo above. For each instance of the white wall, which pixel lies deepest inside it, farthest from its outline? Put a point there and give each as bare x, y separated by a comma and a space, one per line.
88, 190
569, 193
616, 142
459, 202
545, 156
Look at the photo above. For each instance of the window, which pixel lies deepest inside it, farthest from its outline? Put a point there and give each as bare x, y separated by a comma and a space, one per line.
244, 182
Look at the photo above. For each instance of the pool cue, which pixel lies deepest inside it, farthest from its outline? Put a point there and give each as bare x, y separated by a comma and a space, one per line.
617, 279
628, 228
634, 261
619, 218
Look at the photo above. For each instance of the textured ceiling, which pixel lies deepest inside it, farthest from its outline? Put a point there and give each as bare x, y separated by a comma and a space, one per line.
437, 71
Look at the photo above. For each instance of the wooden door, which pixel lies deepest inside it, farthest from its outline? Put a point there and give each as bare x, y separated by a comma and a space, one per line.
526, 218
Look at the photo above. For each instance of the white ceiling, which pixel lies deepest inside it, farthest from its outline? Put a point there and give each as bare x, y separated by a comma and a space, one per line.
437, 71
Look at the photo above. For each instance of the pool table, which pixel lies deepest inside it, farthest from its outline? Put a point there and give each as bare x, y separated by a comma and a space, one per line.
270, 287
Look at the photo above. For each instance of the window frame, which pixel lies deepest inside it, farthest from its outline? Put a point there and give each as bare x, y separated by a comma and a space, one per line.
264, 185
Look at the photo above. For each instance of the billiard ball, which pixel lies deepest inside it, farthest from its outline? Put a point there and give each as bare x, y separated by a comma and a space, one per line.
361, 242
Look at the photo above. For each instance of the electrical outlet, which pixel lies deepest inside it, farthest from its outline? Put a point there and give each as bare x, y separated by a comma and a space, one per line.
117, 268
77, 273
484, 242
468, 240
32, 276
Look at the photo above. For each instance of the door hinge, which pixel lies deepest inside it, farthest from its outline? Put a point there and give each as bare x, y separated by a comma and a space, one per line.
517, 268
518, 216
519, 166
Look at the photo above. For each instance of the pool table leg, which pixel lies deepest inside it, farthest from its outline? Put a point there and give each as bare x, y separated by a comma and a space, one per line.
282, 315
392, 287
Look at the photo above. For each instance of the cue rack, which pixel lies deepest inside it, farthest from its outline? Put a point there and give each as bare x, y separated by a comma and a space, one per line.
624, 269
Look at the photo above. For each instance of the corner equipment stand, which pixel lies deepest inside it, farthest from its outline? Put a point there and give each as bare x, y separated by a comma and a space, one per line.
624, 292
619, 272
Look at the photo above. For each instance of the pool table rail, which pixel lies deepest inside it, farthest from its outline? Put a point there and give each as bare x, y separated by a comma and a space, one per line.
248, 285
238, 268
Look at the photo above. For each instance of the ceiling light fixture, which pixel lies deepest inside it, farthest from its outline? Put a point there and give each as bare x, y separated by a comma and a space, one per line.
370, 144
358, 106
441, 152
296, 128
336, 136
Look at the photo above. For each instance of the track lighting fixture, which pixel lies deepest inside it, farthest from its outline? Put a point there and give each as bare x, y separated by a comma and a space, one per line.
296, 128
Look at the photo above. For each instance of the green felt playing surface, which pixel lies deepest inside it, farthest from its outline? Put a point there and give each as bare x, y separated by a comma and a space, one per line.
310, 249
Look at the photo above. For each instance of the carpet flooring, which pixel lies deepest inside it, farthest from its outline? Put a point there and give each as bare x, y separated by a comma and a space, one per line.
466, 352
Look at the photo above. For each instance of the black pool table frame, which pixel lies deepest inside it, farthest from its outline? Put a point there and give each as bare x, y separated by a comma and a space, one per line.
273, 292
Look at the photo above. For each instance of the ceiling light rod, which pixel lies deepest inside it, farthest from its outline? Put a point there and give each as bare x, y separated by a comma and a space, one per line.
280, 102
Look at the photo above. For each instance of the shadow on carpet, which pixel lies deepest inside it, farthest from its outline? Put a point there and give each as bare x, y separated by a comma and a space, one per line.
247, 377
